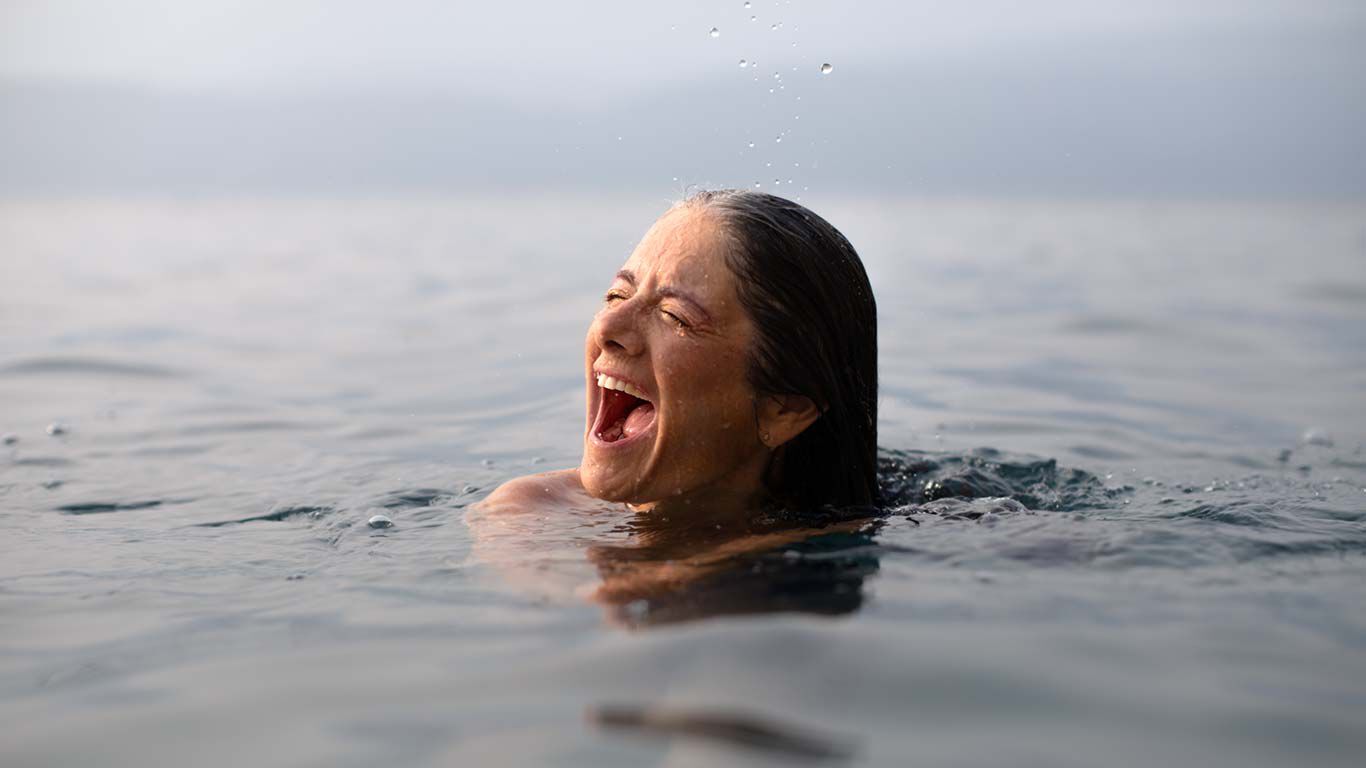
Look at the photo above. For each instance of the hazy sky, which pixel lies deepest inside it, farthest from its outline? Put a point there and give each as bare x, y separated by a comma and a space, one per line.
582, 45
1277, 75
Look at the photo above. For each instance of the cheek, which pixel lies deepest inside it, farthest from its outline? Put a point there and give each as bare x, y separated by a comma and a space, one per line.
712, 392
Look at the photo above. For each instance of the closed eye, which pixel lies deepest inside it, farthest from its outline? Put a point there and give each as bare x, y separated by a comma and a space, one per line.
675, 319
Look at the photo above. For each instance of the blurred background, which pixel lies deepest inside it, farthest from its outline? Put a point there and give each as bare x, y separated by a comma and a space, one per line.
1066, 98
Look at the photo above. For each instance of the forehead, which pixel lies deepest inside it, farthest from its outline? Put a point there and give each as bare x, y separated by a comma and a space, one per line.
684, 246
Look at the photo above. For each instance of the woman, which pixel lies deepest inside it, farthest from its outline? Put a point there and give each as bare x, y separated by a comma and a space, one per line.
731, 370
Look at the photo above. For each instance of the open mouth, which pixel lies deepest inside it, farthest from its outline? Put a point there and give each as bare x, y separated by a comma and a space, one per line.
623, 412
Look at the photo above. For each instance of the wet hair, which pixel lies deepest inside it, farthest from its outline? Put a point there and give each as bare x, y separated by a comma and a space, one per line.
815, 322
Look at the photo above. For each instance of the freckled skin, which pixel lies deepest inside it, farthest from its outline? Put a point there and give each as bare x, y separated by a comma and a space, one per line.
706, 440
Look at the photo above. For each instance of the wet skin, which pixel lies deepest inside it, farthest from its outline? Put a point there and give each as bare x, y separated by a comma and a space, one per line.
672, 327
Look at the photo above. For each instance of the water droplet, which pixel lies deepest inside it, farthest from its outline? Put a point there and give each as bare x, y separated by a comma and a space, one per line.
777, 76
779, 138
637, 610
9, 438
825, 68
789, 181
380, 521
746, 3
774, 28
1317, 436
777, 182
675, 179
751, 145
753, 18
743, 63
715, 32
56, 428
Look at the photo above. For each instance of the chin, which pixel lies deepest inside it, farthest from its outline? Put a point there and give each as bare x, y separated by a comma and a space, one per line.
599, 482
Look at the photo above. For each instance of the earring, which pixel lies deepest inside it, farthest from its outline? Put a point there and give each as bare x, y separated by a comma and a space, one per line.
763, 438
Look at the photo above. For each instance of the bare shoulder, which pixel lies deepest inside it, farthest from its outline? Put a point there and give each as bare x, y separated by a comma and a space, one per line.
531, 491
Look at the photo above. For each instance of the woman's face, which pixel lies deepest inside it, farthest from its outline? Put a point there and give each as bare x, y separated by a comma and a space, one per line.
670, 412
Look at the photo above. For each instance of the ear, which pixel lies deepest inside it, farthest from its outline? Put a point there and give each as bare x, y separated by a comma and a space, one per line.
783, 417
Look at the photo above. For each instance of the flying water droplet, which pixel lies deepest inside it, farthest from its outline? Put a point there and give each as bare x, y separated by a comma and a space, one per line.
9, 438
751, 145
778, 139
825, 68
1316, 436
56, 428
715, 32
777, 182
753, 18
747, 3
757, 185
380, 521
743, 63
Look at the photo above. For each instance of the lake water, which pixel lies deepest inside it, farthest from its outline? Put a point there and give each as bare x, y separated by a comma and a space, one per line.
1171, 393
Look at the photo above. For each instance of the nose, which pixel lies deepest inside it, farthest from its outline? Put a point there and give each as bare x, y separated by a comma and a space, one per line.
616, 329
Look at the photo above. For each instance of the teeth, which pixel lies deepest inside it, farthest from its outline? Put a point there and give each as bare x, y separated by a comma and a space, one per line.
607, 382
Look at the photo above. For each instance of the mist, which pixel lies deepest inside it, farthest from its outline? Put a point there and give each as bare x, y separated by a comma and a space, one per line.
1074, 100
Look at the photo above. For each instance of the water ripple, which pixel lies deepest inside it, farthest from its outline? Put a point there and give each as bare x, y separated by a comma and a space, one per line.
84, 366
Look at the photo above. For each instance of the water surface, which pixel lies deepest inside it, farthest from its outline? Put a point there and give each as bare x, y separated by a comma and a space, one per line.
1125, 442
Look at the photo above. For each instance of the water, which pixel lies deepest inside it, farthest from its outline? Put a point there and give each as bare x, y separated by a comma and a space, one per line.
1124, 442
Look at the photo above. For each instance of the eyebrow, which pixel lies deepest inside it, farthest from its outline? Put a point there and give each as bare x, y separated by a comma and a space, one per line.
668, 292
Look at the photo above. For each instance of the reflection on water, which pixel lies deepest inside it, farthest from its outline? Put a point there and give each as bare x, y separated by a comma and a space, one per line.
743, 730
683, 578
648, 569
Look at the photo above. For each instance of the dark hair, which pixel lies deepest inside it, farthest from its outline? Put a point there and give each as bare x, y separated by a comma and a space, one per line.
816, 335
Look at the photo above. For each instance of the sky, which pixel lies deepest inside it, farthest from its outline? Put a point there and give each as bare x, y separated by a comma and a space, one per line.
1042, 99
